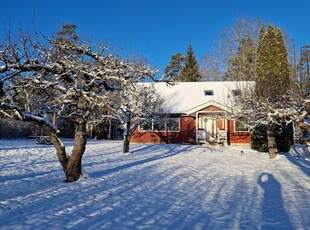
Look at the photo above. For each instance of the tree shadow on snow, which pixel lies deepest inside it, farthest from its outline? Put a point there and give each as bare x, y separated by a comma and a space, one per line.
274, 215
298, 156
170, 151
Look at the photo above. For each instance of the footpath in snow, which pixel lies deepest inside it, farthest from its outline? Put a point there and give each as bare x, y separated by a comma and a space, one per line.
154, 187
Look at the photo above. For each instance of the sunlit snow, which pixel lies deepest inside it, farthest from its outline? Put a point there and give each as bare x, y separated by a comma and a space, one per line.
154, 187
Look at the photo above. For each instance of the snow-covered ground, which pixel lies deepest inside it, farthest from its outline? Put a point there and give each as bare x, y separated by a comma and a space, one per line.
154, 187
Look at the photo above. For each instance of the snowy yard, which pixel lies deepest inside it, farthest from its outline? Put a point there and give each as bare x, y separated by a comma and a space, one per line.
153, 187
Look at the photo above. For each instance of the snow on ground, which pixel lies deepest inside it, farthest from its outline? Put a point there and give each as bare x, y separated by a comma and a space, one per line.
154, 187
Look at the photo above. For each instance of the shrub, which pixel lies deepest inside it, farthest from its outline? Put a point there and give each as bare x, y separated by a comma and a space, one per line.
284, 136
259, 139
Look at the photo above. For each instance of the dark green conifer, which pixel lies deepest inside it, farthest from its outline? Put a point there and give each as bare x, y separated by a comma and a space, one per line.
190, 71
173, 70
272, 65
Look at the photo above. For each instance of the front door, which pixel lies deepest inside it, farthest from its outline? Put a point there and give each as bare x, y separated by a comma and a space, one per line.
208, 124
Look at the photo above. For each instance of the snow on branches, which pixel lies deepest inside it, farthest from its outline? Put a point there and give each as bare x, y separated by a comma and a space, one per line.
134, 104
252, 110
42, 78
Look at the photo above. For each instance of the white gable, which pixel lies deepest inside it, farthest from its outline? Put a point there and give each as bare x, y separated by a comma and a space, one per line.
185, 96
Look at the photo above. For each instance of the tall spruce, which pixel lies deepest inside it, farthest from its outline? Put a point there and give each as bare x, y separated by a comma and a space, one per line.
190, 72
272, 65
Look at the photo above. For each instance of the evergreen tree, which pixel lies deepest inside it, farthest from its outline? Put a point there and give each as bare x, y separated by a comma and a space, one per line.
242, 65
272, 65
173, 70
190, 71
66, 37
272, 81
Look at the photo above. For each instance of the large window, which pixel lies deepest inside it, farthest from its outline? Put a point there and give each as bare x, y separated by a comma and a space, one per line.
172, 124
240, 126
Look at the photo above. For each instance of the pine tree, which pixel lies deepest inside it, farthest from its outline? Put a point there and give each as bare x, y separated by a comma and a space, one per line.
272, 65
304, 70
66, 36
190, 71
173, 70
242, 65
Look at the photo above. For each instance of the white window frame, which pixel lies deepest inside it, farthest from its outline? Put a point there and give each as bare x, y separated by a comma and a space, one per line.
153, 130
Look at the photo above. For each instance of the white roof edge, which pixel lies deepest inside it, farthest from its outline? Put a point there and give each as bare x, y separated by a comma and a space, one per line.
206, 104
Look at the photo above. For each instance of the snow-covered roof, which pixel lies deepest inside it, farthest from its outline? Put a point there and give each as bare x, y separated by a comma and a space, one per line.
182, 97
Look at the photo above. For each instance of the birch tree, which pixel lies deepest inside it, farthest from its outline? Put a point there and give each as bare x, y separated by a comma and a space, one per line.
233, 53
42, 76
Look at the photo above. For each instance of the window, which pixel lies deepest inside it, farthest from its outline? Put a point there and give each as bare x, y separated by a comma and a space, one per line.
240, 127
209, 93
172, 124
236, 92
159, 126
146, 126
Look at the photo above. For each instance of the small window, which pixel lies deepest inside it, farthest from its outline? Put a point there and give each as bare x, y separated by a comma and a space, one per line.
236, 92
209, 93
240, 126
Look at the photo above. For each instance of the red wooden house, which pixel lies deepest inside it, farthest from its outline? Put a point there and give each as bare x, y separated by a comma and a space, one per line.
198, 112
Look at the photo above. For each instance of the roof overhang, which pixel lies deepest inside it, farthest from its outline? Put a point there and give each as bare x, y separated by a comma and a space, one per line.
198, 108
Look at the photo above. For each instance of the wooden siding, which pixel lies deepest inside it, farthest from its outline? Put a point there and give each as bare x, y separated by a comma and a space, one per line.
212, 108
237, 137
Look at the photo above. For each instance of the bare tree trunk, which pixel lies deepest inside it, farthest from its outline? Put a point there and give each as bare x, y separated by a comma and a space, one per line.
71, 166
60, 148
308, 147
74, 168
126, 141
272, 145
126, 145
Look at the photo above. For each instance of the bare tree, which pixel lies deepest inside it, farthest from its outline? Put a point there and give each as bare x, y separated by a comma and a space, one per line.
134, 104
45, 76
233, 52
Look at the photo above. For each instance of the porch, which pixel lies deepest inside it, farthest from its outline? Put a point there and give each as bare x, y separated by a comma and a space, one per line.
211, 127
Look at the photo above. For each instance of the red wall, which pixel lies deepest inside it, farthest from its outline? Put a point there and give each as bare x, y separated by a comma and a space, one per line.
186, 135
237, 137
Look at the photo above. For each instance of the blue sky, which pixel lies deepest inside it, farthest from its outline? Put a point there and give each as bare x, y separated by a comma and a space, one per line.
154, 29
